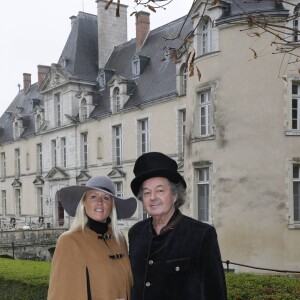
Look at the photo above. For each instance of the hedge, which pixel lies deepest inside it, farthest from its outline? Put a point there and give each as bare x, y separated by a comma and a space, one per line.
28, 280
24, 279
262, 287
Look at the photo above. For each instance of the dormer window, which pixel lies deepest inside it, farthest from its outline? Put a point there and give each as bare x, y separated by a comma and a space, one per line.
83, 110
104, 76
65, 62
18, 127
85, 107
38, 114
116, 100
16, 131
169, 53
120, 89
296, 24
207, 37
38, 122
138, 64
136, 68
101, 80
183, 79
35, 103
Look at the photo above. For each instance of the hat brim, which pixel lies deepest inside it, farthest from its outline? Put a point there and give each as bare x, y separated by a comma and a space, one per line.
70, 196
173, 176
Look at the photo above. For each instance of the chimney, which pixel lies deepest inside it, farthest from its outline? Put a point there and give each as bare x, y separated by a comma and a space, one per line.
142, 25
112, 30
42, 72
73, 19
26, 81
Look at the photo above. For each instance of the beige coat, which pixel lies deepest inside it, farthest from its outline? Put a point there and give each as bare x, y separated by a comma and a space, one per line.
110, 279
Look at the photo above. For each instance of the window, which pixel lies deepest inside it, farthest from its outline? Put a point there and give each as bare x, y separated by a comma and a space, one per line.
18, 202
119, 188
16, 131
39, 201
116, 100
63, 152
203, 195
295, 106
181, 132
39, 159
17, 163
84, 150
296, 193
57, 109
170, 52
83, 111
136, 68
99, 148
296, 25
3, 165
206, 36
4, 204
27, 161
64, 62
101, 80
38, 122
53, 153
203, 111
117, 144
183, 79
143, 136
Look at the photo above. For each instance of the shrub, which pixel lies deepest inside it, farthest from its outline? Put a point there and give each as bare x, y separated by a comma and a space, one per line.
262, 287
28, 280
23, 279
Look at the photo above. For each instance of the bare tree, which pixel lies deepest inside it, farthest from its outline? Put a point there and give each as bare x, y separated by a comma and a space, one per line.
284, 27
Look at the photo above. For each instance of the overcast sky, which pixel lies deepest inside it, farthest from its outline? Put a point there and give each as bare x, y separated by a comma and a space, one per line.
34, 32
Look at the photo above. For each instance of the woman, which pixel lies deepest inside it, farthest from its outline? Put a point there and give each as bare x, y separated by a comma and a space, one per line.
91, 259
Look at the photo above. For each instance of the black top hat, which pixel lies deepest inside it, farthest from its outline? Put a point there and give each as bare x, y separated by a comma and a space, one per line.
154, 164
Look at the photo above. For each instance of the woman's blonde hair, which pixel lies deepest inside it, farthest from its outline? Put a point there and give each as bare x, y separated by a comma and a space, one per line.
80, 219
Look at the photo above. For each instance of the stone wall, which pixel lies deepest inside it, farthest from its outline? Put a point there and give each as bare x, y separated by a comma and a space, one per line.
29, 244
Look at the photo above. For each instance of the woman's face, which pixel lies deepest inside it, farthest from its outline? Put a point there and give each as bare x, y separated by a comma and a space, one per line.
98, 205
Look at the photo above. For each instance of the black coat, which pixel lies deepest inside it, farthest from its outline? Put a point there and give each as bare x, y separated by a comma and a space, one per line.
182, 264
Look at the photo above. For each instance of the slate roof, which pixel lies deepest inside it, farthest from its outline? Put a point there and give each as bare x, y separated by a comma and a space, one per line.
81, 48
22, 106
81, 51
158, 79
235, 10
156, 82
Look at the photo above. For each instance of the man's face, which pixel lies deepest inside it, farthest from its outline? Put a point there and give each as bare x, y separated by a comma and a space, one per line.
157, 197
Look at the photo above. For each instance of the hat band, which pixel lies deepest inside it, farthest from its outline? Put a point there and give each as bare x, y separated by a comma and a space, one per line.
103, 188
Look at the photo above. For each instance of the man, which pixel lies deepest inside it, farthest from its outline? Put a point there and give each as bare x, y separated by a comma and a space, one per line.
173, 257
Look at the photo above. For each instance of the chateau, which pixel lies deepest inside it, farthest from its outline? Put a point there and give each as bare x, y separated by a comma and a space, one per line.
235, 132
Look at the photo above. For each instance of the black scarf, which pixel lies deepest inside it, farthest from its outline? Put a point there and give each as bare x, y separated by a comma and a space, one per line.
98, 227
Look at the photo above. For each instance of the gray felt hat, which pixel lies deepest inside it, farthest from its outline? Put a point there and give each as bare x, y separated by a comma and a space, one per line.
70, 196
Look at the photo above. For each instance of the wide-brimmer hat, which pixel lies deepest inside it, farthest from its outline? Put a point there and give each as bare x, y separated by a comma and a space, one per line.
70, 196
155, 164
